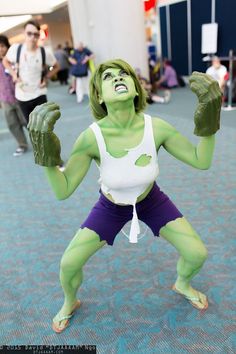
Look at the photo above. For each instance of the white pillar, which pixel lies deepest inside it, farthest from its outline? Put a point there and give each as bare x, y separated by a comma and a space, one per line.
111, 29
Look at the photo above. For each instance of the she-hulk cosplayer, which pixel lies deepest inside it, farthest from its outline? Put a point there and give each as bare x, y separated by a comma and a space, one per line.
124, 143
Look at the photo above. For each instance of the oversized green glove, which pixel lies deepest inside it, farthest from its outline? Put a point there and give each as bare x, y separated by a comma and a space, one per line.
207, 114
46, 144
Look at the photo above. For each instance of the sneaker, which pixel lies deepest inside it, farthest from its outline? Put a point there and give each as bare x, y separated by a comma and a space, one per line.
167, 95
71, 91
19, 151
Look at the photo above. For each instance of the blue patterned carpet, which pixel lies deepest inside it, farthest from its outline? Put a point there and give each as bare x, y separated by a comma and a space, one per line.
127, 304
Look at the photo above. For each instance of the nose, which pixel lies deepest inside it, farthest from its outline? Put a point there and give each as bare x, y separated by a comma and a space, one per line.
117, 79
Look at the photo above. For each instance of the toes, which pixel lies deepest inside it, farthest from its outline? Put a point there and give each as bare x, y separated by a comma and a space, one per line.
202, 303
198, 305
203, 300
60, 322
59, 326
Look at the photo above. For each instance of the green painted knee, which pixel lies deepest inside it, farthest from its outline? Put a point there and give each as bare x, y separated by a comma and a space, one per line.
198, 256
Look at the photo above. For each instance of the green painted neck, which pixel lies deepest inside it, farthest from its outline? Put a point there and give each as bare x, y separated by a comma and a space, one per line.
121, 114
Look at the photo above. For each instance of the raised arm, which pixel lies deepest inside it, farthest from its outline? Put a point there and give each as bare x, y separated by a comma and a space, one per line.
206, 118
179, 146
65, 182
46, 146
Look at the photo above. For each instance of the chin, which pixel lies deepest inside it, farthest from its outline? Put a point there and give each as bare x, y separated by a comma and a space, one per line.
125, 97
119, 98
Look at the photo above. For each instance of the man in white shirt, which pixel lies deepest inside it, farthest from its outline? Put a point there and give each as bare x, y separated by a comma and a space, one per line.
31, 84
217, 71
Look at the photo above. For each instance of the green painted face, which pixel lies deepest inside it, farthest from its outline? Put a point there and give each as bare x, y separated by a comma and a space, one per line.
117, 85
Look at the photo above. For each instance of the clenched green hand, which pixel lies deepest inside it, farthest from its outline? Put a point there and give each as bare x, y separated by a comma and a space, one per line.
207, 114
46, 145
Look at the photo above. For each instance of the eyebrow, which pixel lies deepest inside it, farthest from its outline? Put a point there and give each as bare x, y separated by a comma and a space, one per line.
109, 72
105, 73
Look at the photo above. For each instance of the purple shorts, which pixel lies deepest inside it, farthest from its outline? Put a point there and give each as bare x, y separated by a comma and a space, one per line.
107, 218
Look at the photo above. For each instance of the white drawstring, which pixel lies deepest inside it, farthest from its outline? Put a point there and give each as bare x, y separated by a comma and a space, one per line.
139, 238
134, 229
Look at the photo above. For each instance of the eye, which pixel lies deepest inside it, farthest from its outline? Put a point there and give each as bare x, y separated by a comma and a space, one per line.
107, 76
123, 73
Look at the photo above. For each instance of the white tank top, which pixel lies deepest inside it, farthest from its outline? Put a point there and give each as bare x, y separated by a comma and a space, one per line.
122, 178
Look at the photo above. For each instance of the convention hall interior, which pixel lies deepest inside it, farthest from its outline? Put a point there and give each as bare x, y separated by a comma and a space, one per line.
134, 297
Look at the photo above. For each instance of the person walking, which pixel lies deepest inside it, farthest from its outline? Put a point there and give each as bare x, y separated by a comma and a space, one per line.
62, 59
27, 65
14, 117
80, 69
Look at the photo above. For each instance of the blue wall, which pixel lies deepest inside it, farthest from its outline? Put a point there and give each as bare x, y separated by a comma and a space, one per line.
179, 47
226, 19
200, 14
163, 32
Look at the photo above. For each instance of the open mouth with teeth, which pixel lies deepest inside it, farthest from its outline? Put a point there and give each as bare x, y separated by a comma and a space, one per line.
121, 88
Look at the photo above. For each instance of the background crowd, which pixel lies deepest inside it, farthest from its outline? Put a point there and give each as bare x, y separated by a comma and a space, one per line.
26, 68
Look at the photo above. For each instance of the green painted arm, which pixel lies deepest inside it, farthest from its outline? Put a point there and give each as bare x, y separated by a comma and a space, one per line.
206, 118
199, 156
46, 146
64, 183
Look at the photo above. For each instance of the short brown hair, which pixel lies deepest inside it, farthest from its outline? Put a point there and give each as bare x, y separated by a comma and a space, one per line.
33, 23
99, 110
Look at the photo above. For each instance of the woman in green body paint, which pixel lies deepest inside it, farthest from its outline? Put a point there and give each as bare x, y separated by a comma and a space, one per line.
117, 101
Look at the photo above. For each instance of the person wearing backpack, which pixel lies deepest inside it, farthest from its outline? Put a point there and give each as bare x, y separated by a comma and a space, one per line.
80, 60
27, 64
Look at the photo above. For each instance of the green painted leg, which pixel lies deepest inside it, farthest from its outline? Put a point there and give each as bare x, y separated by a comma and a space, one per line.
192, 257
81, 248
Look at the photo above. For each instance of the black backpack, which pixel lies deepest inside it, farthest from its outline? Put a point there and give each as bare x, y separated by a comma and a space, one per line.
44, 67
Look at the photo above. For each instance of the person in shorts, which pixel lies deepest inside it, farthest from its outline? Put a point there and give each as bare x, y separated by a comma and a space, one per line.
124, 142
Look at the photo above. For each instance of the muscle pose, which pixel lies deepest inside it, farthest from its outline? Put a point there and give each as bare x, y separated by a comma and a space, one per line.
124, 142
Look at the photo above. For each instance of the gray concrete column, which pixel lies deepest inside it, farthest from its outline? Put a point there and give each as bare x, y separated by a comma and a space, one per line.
111, 29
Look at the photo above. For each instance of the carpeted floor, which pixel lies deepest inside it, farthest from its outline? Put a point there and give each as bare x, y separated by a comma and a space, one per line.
127, 304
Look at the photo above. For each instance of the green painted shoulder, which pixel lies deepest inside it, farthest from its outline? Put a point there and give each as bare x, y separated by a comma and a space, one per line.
86, 143
162, 130
159, 123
